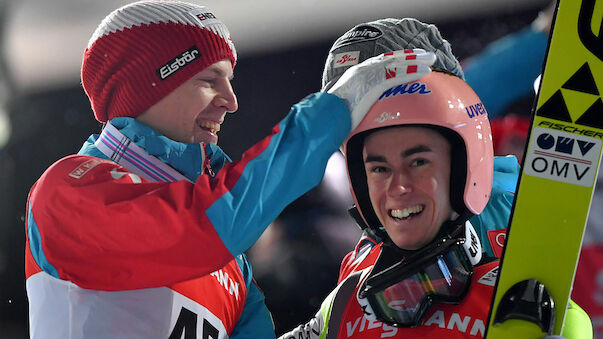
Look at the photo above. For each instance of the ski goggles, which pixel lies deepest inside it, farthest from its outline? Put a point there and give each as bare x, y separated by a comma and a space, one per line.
402, 294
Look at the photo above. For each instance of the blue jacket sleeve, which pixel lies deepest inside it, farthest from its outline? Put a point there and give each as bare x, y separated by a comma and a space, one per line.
256, 321
278, 170
505, 71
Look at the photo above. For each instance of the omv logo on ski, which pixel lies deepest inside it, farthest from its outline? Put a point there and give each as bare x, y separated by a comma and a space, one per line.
562, 156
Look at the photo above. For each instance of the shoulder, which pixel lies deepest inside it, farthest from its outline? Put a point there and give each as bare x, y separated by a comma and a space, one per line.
577, 322
506, 173
495, 217
492, 223
69, 174
77, 166
71, 169
364, 254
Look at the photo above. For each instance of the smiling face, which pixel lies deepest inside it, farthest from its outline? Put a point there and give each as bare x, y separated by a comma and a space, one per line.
408, 178
193, 112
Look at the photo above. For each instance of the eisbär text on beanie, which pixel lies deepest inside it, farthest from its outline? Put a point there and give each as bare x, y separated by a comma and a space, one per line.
143, 51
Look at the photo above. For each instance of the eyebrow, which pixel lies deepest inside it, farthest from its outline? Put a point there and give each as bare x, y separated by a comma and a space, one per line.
219, 72
404, 154
416, 149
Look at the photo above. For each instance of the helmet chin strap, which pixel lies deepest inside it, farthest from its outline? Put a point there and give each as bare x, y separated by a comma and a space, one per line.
453, 226
472, 245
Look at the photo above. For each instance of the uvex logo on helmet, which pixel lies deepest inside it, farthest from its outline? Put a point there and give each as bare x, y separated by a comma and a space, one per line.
475, 110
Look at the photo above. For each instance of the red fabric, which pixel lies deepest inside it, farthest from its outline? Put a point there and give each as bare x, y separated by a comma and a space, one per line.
509, 134
465, 320
497, 238
31, 267
112, 234
120, 69
353, 262
225, 302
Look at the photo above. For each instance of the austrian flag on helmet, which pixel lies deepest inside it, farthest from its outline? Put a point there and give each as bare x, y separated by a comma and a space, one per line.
446, 103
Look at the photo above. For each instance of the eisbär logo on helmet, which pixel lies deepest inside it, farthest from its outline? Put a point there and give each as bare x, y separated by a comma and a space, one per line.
360, 33
178, 62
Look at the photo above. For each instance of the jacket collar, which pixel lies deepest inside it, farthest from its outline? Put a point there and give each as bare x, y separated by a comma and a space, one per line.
127, 139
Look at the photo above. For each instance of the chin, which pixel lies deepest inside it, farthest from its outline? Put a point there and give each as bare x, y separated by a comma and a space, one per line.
407, 245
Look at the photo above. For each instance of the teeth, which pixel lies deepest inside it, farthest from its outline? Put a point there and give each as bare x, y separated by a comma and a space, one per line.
401, 214
213, 127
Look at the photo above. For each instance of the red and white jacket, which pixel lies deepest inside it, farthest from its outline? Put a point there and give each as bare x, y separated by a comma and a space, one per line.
341, 315
139, 236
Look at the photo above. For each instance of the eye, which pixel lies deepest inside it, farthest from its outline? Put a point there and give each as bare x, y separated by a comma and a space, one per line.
419, 162
207, 82
378, 169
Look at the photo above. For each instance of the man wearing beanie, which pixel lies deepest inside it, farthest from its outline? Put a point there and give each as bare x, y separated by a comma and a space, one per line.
392, 34
142, 233
346, 313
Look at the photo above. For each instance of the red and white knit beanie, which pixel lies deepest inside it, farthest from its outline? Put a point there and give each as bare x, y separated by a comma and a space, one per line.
143, 51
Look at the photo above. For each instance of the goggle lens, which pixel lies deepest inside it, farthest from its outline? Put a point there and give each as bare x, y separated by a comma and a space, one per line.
444, 279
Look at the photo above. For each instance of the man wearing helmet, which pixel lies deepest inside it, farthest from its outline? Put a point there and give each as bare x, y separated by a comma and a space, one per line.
421, 170
142, 233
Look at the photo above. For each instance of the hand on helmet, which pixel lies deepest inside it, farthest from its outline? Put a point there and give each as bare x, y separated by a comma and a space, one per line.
361, 85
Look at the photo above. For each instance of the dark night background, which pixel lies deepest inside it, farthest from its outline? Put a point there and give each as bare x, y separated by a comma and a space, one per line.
48, 125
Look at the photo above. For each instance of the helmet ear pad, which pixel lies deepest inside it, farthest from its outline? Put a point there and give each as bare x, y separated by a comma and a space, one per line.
357, 176
357, 173
458, 168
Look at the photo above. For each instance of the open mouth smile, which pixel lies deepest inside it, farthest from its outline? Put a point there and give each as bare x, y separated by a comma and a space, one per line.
210, 126
406, 213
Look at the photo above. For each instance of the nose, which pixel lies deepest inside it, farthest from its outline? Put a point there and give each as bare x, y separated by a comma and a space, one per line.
399, 185
227, 98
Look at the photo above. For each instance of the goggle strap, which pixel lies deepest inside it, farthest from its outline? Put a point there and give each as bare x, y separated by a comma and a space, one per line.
472, 245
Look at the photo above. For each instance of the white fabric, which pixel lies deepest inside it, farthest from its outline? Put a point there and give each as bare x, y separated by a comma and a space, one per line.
144, 13
69, 312
96, 314
131, 156
361, 85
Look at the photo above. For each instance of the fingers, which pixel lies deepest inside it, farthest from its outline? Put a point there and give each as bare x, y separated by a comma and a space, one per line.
407, 71
401, 53
403, 63
408, 55
399, 67
362, 84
